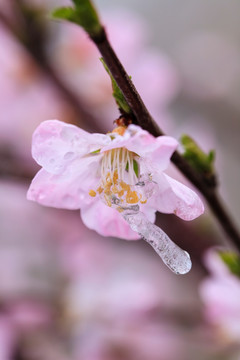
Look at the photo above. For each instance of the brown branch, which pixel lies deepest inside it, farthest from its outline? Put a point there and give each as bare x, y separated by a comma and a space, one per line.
145, 120
143, 117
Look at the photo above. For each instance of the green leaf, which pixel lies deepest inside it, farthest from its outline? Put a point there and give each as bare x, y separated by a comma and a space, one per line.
77, 2
232, 261
202, 162
211, 156
83, 14
65, 13
117, 93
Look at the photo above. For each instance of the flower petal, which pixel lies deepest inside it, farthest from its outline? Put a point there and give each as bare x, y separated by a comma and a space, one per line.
155, 151
68, 190
174, 197
107, 221
56, 143
149, 211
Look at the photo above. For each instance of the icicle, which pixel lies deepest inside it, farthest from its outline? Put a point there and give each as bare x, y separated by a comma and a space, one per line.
125, 198
172, 255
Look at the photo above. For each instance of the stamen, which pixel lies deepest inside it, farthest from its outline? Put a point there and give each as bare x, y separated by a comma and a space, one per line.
99, 189
92, 193
120, 179
132, 197
123, 164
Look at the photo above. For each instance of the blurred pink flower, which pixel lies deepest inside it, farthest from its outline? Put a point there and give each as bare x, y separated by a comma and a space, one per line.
27, 315
221, 293
7, 338
18, 320
27, 97
87, 171
116, 312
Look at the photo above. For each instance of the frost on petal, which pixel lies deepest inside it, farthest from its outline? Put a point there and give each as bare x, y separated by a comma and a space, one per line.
68, 190
107, 221
56, 143
174, 197
155, 151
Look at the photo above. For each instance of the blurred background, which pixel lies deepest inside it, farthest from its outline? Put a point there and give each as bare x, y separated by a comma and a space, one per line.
65, 291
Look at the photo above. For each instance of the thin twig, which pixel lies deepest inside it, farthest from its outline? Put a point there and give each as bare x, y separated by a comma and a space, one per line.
145, 120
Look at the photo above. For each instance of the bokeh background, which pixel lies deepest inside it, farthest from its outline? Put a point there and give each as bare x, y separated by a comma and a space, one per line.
65, 291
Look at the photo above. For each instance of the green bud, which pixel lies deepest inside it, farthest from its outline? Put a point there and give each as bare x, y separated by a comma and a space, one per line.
232, 261
83, 14
198, 159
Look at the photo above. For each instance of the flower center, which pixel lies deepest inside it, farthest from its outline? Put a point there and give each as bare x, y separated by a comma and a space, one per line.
120, 173
119, 165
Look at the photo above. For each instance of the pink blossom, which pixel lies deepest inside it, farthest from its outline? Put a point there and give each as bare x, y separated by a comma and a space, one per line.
85, 171
221, 293
7, 338
27, 315
118, 303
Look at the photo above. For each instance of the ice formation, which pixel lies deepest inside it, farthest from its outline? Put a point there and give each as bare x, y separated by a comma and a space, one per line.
172, 255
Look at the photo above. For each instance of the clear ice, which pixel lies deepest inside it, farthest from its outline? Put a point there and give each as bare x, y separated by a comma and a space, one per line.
172, 255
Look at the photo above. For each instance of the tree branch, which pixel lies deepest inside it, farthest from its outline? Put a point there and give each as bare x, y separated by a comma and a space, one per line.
145, 120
